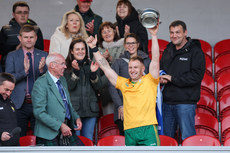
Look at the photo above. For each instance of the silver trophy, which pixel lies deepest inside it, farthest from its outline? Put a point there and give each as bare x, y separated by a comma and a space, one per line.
149, 17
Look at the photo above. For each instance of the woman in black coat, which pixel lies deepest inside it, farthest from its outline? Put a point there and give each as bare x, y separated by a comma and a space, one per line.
128, 22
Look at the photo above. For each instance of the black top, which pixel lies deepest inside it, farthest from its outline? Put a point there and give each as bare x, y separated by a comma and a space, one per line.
8, 121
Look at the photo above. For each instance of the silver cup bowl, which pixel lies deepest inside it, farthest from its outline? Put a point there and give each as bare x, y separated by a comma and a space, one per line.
149, 17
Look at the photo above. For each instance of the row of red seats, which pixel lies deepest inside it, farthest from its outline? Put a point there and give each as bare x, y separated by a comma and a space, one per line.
117, 140
114, 140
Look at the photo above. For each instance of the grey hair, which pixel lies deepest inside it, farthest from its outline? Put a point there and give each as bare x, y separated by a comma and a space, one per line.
52, 57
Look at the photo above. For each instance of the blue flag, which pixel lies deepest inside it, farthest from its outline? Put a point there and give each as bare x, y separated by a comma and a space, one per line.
159, 101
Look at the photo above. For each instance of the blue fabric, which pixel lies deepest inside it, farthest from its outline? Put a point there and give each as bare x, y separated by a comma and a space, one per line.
88, 125
61, 91
159, 101
31, 74
182, 114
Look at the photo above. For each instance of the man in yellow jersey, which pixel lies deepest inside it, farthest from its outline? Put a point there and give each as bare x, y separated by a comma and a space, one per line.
139, 94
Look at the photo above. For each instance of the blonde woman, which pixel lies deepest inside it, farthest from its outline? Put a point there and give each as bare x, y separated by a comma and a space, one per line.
72, 26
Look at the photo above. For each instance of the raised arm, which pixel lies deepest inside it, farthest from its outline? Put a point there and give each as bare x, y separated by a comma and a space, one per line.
154, 66
104, 65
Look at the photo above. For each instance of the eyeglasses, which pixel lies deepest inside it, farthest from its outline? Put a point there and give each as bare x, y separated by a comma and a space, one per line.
20, 12
62, 64
131, 43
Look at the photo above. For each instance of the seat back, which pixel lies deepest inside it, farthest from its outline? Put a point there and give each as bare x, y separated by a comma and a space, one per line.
206, 47
221, 48
206, 124
201, 140
162, 45
208, 65
224, 106
167, 141
115, 140
46, 45
225, 128
207, 104
227, 142
223, 85
106, 122
108, 132
29, 140
221, 65
86, 141
208, 84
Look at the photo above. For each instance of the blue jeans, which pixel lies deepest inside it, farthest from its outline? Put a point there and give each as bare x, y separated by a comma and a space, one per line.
182, 114
88, 125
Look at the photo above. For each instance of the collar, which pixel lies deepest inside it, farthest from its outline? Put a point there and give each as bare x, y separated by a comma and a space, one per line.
53, 77
26, 51
90, 12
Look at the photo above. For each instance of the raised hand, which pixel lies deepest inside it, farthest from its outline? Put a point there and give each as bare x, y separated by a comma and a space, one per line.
26, 64
75, 65
90, 27
127, 30
94, 66
42, 64
91, 41
153, 31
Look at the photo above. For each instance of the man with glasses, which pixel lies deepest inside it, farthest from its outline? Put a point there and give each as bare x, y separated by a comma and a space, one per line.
9, 33
55, 116
26, 64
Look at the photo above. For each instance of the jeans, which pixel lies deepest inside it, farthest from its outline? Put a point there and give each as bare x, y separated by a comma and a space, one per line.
88, 125
182, 114
24, 115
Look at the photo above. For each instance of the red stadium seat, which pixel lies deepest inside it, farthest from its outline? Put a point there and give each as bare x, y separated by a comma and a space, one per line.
27, 140
225, 128
115, 140
208, 84
221, 48
108, 132
207, 104
162, 45
206, 48
208, 65
86, 141
46, 45
106, 122
206, 125
167, 141
224, 106
227, 142
107, 127
201, 140
223, 85
222, 65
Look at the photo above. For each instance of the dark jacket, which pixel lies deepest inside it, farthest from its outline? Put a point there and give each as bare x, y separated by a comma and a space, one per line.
83, 90
8, 121
187, 68
120, 66
135, 27
88, 17
9, 38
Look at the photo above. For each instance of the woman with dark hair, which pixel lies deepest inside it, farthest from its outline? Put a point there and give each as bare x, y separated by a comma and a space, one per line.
111, 47
83, 83
128, 22
109, 43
